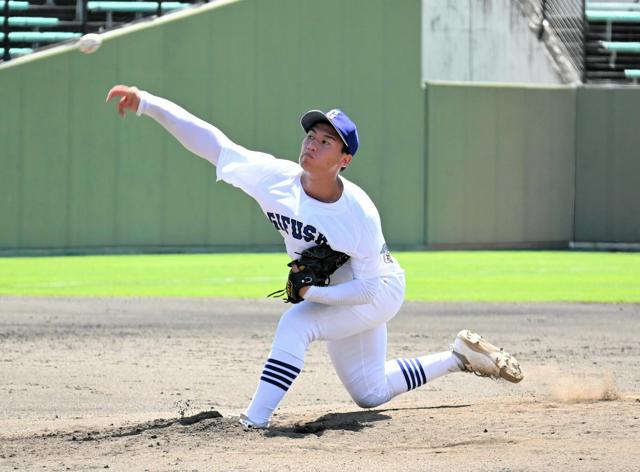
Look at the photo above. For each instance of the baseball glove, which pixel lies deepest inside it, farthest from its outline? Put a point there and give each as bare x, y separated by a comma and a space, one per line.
315, 266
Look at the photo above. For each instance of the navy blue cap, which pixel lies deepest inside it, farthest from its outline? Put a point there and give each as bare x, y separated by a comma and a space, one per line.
343, 125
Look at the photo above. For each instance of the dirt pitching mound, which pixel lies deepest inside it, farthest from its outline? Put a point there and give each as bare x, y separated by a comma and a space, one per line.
158, 384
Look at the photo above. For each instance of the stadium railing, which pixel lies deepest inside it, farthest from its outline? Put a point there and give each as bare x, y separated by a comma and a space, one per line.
565, 20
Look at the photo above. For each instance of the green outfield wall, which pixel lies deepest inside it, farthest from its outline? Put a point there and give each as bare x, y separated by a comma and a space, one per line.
500, 165
608, 165
74, 175
448, 164
515, 166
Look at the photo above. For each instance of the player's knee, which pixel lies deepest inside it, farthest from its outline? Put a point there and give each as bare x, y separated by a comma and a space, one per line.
370, 400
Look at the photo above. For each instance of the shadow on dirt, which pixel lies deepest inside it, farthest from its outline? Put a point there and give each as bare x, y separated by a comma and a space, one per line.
352, 421
355, 421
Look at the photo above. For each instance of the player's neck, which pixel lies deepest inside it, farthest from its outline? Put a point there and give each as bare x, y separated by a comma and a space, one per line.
327, 189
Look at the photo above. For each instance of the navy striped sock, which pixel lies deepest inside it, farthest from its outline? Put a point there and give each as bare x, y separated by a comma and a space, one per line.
279, 373
413, 372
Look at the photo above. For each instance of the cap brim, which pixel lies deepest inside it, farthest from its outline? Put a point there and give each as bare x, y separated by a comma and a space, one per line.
310, 118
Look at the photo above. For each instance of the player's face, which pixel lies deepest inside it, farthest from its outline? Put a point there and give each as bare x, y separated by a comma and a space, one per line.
321, 150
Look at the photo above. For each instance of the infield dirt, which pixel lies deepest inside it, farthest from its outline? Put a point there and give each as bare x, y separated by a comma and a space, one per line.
157, 384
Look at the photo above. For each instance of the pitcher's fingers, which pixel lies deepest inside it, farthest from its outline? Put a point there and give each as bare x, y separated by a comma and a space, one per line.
117, 91
122, 104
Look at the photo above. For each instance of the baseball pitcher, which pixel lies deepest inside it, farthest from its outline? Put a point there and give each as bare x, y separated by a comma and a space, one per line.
343, 284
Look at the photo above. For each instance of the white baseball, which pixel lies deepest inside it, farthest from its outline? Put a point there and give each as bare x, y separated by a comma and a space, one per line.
89, 43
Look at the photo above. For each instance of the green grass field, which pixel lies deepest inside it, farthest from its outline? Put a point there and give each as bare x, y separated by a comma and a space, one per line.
473, 275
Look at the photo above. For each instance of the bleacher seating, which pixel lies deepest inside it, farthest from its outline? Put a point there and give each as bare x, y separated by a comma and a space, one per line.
29, 21
17, 51
111, 7
612, 41
621, 46
15, 5
35, 24
141, 7
633, 74
39, 36
615, 6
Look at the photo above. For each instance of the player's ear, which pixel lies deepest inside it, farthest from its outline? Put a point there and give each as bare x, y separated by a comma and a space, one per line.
346, 160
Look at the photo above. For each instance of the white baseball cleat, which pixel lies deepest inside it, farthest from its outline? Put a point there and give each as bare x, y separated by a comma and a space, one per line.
484, 359
247, 423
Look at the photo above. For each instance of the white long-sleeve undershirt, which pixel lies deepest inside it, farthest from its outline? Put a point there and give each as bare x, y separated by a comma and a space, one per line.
206, 141
353, 292
201, 138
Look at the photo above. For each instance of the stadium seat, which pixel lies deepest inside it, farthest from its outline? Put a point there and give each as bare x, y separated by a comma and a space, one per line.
134, 7
621, 46
610, 16
138, 8
632, 73
615, 47
618, 6
15, 5
39, 37
31, 21
17, 51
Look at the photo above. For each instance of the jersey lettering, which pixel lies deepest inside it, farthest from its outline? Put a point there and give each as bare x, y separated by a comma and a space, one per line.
273, 220
297, 229
279, 222
321, 239
285, 223
309, 233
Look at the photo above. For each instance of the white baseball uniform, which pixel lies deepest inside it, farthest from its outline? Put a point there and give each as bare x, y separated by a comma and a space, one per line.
350, 314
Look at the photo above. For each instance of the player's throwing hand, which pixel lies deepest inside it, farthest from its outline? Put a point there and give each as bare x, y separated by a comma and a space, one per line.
130, 98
